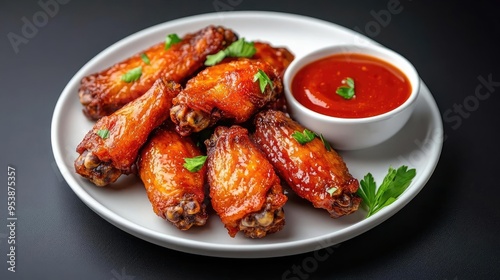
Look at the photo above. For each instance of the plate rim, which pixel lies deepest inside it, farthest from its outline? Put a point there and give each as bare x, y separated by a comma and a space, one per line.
234, 250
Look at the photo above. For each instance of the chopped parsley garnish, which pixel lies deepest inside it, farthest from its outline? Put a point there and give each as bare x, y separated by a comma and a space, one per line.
215, 58
132, 75
263, 79
103, 133
347, 92
325, 143
194, 164
307, 136
239, 48
171, 39
145, 58
304, 137
393, 185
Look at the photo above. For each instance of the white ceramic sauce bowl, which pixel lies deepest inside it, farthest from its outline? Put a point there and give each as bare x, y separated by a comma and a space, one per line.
353, 133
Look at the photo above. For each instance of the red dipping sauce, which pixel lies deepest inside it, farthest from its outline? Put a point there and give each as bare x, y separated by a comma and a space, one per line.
379, 86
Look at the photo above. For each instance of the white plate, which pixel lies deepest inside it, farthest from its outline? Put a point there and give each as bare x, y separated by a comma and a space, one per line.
417, 145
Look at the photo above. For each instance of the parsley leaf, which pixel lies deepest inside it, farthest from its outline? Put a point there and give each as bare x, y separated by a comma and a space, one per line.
215, 58
307, 136
393, 185
239, 48
145, 58
171, 39
304, 137
103, 133
194, 164
325, 143
347, 92
367, 191
132, 75
263, 80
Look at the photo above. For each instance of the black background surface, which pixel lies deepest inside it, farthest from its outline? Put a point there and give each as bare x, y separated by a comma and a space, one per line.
449, 231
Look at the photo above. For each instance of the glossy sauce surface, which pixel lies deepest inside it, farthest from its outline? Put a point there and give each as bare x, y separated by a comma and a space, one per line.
379, 86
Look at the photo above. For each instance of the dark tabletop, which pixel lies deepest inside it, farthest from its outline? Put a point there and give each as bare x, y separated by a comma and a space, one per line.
449, 231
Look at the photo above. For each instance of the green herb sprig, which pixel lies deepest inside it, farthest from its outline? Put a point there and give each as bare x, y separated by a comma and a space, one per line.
263, 79
393, 185
103, 133
171, 39
239, 48
304, 137
145, 58
132, 75
194, 164
325, 143
307, 136
347, 92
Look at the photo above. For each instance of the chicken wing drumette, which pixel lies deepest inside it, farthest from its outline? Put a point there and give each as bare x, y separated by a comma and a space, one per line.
226, 91
111, 147
103, 93
277, 57
176, 193
312, 171
244, 189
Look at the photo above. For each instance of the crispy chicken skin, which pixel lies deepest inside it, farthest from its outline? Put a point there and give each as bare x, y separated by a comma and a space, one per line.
111, 147
245, 191
103, 93
226, 91
277, 57
310, 169
175, 193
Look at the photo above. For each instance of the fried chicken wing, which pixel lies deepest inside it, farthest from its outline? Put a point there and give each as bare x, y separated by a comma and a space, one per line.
313, 172
111, 147
175, 193
103, 93
226, 91
244, 189
277, 57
